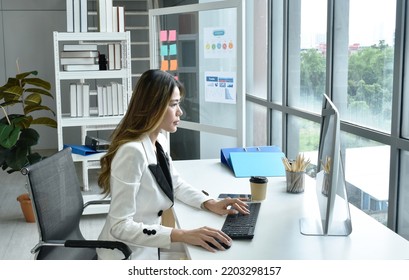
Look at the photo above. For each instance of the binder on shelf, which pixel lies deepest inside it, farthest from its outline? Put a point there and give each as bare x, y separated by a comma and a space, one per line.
254, 161
114, 87
121, 19
81, 149
100, 101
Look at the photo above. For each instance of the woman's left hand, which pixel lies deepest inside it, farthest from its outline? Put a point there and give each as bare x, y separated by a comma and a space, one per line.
221, 207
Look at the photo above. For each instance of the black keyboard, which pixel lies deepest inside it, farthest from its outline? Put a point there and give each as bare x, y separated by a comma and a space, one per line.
240, 226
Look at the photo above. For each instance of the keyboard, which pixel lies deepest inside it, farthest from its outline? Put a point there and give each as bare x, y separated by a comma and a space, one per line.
240, 226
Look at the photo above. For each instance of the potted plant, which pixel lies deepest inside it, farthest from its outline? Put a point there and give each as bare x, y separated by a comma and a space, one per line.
24, 93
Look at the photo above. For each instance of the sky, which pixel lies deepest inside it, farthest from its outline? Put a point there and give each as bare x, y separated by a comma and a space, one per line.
370, 21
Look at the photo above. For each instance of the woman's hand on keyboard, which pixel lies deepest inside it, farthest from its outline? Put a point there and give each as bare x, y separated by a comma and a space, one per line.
222, 207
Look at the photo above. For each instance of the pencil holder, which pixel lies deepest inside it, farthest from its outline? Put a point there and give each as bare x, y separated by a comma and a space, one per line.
295, 181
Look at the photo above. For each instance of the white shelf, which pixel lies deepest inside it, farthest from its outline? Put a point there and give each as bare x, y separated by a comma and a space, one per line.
92, 123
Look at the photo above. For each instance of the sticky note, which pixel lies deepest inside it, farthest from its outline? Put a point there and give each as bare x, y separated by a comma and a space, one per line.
173, 65
172, 35
163, 35
164, 50
165, 65
172, 49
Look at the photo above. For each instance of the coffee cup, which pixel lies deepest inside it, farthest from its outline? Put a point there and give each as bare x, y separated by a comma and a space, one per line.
258, 186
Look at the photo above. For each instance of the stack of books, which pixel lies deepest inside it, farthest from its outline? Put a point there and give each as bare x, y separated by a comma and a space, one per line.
111, 18
77, 13
111, 100
80, 100
79, 57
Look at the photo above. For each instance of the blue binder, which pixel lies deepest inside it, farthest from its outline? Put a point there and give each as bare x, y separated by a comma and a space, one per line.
81, 150
254, 161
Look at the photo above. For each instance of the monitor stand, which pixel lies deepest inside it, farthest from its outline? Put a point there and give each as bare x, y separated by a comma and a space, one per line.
314, 227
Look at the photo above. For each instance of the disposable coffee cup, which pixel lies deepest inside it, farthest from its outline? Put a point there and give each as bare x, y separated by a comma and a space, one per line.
258, 186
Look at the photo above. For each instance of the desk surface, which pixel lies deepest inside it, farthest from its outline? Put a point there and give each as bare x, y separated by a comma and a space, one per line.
277, 234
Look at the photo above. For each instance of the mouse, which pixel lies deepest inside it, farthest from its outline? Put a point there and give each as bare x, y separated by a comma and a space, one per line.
225, 246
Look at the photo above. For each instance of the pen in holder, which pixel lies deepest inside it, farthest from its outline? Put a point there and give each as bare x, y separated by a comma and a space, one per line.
295, 173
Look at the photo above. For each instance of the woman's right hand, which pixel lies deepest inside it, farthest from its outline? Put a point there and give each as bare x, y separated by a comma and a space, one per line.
201, 237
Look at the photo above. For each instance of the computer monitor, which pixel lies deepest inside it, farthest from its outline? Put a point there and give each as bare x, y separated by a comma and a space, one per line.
334, 215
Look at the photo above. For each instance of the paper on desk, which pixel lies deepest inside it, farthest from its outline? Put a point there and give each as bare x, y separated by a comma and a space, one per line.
257, 164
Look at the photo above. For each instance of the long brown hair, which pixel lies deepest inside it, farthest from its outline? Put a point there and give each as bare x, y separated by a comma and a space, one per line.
145, 112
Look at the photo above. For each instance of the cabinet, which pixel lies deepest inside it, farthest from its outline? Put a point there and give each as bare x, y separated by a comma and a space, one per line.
63, 79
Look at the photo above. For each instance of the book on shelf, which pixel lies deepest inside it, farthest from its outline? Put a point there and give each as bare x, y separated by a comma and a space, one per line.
109, 99
83, 16
114, 87
80, 47
111, 56
121, 19
70, 15
117, 56
68, 54
85, 100
78, 60
80, 101
81, 67
77, 16
73, 100
104, 101
108, 5
120, 99
100, 101
114, 19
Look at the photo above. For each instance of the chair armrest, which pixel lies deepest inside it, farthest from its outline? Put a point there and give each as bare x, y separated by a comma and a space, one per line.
96, 202
126, 251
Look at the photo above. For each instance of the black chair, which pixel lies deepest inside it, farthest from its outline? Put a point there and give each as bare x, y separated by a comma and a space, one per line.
58, 205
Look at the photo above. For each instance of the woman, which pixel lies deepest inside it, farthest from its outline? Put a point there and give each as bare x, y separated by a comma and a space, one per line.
139, 176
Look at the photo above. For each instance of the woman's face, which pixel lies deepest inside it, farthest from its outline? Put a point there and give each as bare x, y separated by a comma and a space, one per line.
172, 116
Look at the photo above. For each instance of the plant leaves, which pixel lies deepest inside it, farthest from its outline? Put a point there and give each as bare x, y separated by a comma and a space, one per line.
33, 99
45, 121
8, 135
37, 82
28, 109
28, 137
15, 90
40, 91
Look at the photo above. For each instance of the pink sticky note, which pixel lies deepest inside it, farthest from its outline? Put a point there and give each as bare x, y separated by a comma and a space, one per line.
163, 35
172, 35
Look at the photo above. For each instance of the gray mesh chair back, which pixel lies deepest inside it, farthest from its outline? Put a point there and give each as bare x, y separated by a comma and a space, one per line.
58, 204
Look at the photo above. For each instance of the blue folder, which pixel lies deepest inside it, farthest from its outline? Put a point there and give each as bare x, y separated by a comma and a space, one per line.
81, 150
268, 164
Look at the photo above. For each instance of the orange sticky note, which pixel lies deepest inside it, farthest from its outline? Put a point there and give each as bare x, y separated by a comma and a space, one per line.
165, 65
173, 65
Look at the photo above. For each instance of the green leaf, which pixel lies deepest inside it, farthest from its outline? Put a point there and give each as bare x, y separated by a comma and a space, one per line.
25, 74
31, 108
37, 82
8, 135
33, 99
40, 91
17, 158
45, 121
15, 90
28, 137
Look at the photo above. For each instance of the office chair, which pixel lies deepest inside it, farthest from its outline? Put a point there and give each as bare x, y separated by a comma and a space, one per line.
58, 205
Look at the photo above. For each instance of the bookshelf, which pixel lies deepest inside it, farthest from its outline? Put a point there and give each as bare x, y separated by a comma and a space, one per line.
93, 121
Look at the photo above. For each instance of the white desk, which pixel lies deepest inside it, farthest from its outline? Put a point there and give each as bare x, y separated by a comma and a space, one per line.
277, 234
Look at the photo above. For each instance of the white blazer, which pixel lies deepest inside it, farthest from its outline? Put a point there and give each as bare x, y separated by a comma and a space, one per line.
137, 201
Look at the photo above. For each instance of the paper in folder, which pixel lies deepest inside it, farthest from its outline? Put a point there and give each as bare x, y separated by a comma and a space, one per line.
254, 161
